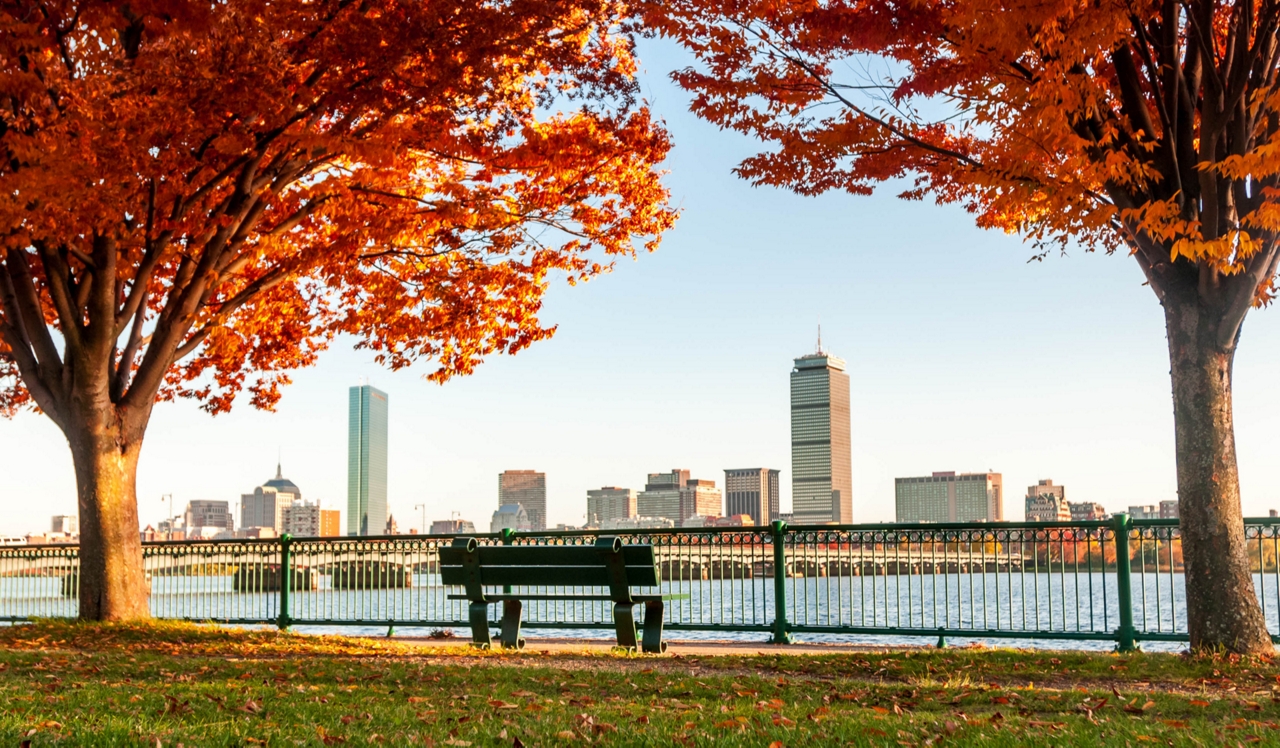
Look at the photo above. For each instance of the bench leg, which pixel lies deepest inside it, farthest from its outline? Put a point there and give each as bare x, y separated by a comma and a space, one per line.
479, 614
511, 624
653, 627
624, 620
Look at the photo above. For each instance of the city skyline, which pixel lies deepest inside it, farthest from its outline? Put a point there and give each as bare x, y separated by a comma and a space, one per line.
937, 347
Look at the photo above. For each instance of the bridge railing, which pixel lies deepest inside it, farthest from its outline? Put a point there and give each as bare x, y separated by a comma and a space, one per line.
1120, 580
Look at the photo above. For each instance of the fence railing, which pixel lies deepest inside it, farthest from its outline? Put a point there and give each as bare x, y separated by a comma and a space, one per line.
1118, 580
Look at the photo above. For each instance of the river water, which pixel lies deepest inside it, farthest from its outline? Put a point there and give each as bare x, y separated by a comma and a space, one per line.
967, 605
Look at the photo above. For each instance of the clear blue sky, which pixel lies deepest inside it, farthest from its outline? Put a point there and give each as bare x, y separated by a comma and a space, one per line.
962, 355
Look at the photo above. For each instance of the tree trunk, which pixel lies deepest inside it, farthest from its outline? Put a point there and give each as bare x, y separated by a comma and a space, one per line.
1222, 609
113, 584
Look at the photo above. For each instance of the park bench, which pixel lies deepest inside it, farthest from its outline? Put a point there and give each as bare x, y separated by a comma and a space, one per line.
607, 563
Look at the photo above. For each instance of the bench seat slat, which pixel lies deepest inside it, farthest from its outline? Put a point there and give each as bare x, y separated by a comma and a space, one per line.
551, 576
541, 555
513, 596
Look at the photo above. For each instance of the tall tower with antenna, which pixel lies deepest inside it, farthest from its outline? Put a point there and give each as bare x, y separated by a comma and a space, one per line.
821, 445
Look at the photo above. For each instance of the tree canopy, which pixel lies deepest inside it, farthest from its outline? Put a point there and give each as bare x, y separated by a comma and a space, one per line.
195, 198
1151, 126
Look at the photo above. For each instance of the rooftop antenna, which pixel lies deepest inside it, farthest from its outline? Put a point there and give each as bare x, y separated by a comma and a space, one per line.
279, 471
819, 335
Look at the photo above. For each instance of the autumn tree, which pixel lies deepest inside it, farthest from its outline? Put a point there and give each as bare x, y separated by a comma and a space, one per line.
1147, 126
196, 198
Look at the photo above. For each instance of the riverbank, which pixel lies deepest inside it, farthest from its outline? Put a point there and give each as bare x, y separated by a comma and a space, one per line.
177, 684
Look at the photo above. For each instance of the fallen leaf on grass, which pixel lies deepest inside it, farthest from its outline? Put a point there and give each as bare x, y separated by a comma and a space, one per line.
417, 699
782, 721
880, 709
1050, 725
1139, 709
499, 704
730, 724
251, 706
1199, 703
776, 744
567, 735
455, 741
523, 694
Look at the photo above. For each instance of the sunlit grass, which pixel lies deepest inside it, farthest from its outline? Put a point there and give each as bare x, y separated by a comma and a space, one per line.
68, 684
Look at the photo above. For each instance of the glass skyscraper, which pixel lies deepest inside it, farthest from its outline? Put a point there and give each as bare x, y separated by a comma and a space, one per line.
367, 462
821, 452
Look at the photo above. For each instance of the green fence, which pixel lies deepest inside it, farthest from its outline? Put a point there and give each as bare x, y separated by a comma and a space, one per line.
1115, 581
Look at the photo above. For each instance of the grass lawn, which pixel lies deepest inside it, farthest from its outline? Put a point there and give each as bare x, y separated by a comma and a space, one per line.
176, 684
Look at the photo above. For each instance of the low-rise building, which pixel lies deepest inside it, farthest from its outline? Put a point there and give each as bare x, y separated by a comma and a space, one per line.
207, 514
948, 497
306, 519
51, 538
736, 520
453, 527
638, 523
510, 516
1086, 511
1047, 503
1144, 511
1169, 509
65, 524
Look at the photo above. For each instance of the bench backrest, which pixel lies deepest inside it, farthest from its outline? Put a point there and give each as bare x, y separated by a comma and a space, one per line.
608, 563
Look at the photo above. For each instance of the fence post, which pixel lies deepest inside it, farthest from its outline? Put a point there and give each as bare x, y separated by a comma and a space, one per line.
286, 579
508, 537
1124, 584
780, 633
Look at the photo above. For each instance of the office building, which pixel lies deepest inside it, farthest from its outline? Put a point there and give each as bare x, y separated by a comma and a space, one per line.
700, 497
1169, 509
608, 504
1086, 511
367, 461
821, 452
202, 514
66, 524
661, 495
452, 527
754, 492
509, 516
528, 488
1144, 511
307, 520
265, 506
1047, 503
948, 497
676, 496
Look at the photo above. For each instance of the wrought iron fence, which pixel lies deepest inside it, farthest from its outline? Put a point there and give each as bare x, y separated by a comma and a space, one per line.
1119, 580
